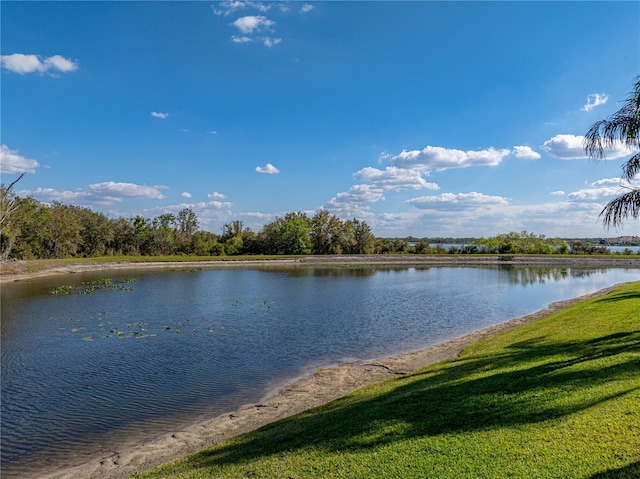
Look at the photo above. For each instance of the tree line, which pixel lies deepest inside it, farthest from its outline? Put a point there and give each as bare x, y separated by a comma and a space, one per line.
30, 229
34, 230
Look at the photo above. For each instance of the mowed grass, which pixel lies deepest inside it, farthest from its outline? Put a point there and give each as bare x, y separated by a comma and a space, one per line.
556, 398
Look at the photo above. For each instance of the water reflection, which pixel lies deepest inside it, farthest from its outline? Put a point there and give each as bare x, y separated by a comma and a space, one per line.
528, 276
86, 372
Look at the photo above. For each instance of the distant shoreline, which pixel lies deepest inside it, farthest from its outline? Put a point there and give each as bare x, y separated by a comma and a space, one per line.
12, 271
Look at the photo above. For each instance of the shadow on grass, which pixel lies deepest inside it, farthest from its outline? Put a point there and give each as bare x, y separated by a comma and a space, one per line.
619, 296
533, 381
632, 471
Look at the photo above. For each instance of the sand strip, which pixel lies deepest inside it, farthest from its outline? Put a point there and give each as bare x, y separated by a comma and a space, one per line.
306, 393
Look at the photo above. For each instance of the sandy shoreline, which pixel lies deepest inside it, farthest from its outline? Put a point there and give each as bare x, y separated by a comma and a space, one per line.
305, 393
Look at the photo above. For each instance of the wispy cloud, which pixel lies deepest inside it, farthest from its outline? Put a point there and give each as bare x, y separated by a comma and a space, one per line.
269, 41
251, 23
601, 190
106, 193
157, 114
186, 194
21, 63
452, 201
570, 147
242, 39
11, 161
268, 169
256, 28
394, 178
307, 7
438, 158
230, 7
594, 100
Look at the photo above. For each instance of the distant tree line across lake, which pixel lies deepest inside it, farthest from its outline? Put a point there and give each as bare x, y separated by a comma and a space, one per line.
30, 229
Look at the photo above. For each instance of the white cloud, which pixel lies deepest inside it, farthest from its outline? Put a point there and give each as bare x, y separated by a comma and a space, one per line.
358, 194
609, 182
157, 114
12, 162
394, 178
268, 169
21, 64
60, 63
270, 41
106, 193
602, 190
247, 25
593, 194
307, 7
229, 7
435, 157
216, 196
526, 153
565, 147
196, 207
242, 39
451, 201
187, 194
351, 210
557, 193
594, 100
569, 147
129, 190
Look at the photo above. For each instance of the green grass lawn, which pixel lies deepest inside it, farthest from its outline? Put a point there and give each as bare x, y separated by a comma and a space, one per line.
556, 398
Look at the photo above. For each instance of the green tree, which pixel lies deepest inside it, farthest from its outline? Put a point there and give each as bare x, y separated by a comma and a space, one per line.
186, 226
320, 233
623, 126
233, 236
28, 230
187, 222
288, 235
123, 240
63, 231
96, 233
364, 242
142, 235
205, 243
163, 235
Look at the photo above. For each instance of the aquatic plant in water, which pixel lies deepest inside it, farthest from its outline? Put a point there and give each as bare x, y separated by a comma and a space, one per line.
94, 285
62, 290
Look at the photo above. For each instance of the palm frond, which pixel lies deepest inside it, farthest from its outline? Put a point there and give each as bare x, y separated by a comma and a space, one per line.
623, 126
631, 168
621, 208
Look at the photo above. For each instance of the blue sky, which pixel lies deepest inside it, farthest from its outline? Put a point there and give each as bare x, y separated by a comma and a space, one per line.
420, 118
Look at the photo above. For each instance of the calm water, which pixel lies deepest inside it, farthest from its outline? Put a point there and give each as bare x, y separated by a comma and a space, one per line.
86, 374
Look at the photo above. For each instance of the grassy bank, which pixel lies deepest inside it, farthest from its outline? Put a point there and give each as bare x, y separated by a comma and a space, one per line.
556, 398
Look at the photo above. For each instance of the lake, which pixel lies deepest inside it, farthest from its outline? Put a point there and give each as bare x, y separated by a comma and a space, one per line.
146, 352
